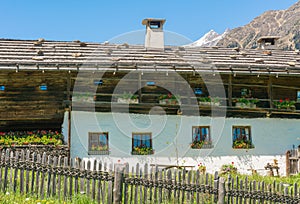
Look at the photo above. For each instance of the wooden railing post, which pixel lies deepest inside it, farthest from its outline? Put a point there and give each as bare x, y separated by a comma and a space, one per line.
222, 191
287, 163
118, 183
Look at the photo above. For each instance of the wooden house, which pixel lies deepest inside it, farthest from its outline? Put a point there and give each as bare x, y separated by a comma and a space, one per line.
188, 105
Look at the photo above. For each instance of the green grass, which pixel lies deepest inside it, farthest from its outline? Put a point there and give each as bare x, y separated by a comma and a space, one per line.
17, 198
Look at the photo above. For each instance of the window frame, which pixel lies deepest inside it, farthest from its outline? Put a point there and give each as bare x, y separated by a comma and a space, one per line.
142, 134
98, 134
248, 136
207, 137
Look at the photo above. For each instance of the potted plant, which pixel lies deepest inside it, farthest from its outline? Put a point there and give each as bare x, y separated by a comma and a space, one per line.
246, 102
128, 97
196, 144
228, 169
169, 99
209, 101
202, 168
286, 104
242, 144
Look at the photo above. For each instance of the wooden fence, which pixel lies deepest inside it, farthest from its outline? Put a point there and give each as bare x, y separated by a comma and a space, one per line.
47, 176
292, 162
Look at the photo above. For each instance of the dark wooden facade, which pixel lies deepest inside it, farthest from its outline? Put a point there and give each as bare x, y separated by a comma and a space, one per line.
64, 66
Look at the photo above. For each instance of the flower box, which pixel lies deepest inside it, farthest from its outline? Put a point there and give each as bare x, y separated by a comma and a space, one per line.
142, 151
201, 145
168, 102
127, 100
242, 145
202, 103
286, 104
245, 105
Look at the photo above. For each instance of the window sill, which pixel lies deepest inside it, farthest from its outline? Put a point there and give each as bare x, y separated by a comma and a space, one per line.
146, 153
204, 146
97, 152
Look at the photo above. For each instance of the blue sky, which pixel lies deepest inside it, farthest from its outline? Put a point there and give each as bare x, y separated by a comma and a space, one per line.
98, 21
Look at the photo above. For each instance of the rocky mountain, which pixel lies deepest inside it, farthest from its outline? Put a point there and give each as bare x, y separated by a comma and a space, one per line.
209, 39
283, 23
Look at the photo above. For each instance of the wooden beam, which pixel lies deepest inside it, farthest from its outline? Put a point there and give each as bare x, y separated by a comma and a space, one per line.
140, 87
229, 90
270, 91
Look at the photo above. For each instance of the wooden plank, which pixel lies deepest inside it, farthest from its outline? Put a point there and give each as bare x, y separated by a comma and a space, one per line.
27, 173
11, 171
59, 162
132, 187
15, 180
104, 193
37, 178
160, 190
94, 180
65, 179
155, 199
222, 191
146, 178
22, 158
88, 190
126, 186
33, 160
2, 157
49, 163
77, 166
99, 166
7, 154
183, 183
55, 164
118, 182
216, 183
110, 187
42, 189
137, 172
71, 164
179, 183
82, 168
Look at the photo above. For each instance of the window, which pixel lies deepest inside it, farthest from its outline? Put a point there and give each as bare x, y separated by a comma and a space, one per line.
298, 95
141, 144
201, 137
2, 88
43, 87
241, 136
98, 143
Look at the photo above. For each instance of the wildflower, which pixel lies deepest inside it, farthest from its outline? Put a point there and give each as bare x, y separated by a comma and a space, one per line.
7, 193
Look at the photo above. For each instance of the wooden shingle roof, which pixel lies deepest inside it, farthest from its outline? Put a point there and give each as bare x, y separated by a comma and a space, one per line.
76, 55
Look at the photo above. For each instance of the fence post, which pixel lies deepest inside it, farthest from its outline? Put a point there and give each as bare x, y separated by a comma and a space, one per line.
118, 183
287, 163
222, 191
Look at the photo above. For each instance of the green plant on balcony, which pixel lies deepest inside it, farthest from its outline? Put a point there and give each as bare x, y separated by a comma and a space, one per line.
169, 99
142, 150
128, 97
246, 102
285, 104
209, 101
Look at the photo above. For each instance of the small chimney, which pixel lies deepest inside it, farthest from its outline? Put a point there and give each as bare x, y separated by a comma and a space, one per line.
154, 33
268, 42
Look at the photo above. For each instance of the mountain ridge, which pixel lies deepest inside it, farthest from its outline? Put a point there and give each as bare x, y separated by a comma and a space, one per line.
283, 23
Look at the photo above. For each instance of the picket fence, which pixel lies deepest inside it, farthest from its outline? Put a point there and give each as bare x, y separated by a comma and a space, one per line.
60, 177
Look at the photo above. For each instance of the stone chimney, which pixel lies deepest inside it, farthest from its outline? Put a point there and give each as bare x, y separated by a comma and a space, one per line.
154, 33
268, 42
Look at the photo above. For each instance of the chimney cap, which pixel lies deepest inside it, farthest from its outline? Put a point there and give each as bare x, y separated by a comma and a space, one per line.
263, 38
147, 20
